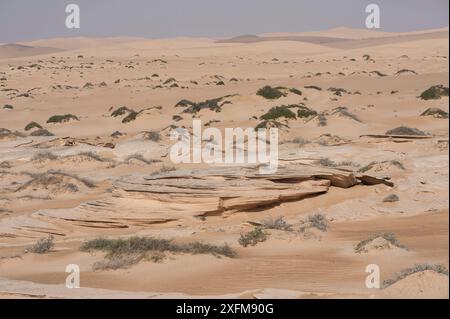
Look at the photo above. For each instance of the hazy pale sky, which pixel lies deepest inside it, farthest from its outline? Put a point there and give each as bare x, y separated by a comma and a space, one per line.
22, 20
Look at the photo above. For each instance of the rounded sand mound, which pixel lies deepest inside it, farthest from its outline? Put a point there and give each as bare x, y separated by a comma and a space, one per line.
52, 184
424, 284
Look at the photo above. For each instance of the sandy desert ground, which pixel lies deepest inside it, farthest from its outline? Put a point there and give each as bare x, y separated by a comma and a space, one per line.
363, 176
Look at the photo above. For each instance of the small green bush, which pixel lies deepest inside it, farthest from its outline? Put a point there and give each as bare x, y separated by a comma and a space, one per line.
390, 237
41, 132
152, 136
434, 92
315, 87
253, 237
278, 111
124, 252
32, 125
404, 130
130, 117
438, 268
277, 223
121, 111
62, 118
42, 246
435, 112
318, 221
270, 93
295, 91
304, 112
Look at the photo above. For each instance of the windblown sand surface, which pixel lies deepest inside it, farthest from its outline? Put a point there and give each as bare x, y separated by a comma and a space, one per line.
99, 175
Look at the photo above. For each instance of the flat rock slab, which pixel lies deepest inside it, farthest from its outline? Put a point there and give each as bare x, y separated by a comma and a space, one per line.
143, 200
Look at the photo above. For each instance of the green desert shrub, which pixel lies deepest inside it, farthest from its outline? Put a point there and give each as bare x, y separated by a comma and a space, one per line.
278, 111
337, 91
435, 112
62, 118
391, 198
8, 106
317, 221
270, 124
438, 268
121, 111
42, 132
314, 87
304, 112
277, 223
295, 91
390, 237
42, 246
434, 92
253, 237
184, 103
404, 130
124, 252
32, 125
270, 93
130, 117
152, 136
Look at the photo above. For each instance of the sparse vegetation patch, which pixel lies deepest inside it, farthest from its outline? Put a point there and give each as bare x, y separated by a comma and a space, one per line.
253, 237
270, 93
32, 125
62, 118
318, 221
42, 246
404, 130
124, 252
434, 92
438, 268
361, 247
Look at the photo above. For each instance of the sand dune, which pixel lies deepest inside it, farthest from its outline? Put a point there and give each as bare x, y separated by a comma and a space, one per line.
341, 43
85, 140
19, 50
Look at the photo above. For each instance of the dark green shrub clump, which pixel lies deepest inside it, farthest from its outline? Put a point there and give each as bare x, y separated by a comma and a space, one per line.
277, 112
315, 87
32, 125
435, 92
42, 132
211, 104
269, 124
304, 112
405, 130
270, 93
152, 136
121, 111
295, 91
130, 117
435, 112
62, 118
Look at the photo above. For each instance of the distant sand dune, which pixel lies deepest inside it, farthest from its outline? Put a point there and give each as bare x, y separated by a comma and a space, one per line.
338, 42
19, 50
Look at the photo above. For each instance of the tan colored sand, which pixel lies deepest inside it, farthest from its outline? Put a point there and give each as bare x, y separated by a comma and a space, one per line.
289, 264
